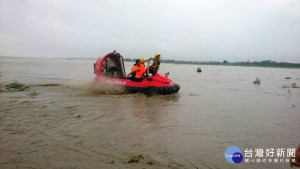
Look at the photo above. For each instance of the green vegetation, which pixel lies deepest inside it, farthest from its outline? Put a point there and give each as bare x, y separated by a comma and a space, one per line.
199, 69
265, 63
16, 86
257, 81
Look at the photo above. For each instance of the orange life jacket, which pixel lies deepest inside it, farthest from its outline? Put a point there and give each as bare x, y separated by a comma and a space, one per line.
139, 70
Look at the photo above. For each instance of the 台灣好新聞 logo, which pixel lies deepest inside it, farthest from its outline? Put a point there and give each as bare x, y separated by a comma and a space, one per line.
233, 154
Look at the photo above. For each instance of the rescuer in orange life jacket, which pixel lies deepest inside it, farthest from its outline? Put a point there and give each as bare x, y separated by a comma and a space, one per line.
138, 70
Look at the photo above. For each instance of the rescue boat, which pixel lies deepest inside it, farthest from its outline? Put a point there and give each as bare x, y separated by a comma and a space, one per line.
110, 69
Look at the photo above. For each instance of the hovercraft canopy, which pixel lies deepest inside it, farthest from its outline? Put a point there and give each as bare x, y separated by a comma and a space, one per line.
111, 65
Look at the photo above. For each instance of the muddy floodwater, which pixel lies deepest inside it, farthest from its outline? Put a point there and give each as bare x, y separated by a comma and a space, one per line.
63, 120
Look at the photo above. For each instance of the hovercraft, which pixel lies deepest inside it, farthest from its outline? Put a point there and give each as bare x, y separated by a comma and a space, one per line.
110, 69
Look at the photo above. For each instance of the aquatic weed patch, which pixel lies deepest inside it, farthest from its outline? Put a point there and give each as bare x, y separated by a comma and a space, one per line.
199, 69
257, 81
16, 86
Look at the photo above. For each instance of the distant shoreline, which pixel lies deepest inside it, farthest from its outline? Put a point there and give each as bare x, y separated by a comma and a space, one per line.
266, 63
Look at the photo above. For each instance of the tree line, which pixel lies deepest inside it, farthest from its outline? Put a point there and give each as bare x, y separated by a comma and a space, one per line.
265, 63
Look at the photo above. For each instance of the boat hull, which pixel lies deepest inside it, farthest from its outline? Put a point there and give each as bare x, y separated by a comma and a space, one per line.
158, 84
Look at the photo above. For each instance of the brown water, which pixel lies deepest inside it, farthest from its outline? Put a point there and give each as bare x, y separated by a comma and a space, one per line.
64, 121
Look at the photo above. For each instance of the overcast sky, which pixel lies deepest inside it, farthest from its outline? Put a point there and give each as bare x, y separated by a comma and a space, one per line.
204, 30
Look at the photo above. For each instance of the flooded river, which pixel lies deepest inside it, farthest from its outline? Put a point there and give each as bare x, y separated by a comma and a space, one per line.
64, 121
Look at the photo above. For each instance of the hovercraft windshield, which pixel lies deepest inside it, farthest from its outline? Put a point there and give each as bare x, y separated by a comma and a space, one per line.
111, 65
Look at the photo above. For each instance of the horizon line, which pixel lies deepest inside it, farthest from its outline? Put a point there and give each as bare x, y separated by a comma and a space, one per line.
33, 57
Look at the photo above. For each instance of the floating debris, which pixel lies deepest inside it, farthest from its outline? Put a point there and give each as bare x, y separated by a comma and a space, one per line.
16, 86
294, 85
135, 158
79, 116
288, 77
193, 94
150, 163
46, 85
284, 86
33, 94
111, 162
257, 81
199, 69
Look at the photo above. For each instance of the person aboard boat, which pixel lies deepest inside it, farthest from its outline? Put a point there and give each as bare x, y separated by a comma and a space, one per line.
137, 72
142, 59
153, 65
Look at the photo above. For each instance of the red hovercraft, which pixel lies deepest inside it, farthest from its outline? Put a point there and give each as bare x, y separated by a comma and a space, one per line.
110, 69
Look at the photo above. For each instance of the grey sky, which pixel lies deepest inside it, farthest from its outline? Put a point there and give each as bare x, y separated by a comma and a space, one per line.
234, 30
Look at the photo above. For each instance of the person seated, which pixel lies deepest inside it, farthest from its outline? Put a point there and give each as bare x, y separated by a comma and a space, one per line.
142, 59
153, 65
138, 70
